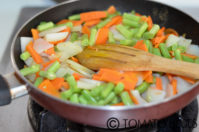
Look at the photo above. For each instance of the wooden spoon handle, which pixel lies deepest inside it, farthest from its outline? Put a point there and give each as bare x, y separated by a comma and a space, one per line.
175, 67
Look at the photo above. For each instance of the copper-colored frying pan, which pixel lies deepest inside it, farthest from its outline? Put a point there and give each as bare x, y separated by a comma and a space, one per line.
94, 115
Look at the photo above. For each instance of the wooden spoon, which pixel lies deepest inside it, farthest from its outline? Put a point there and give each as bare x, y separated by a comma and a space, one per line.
127, 58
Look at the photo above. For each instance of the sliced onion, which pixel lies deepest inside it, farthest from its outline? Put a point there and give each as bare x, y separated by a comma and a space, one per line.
193, 49
77, 28
61, 72
52, 30
154, 95
172, 39
116, 34
165, 82
53, 37
169, 90
24, 41
40, 45
136, 94
68, 69
182, 85
184, 42
88, 83
67, 50
92, 81
81, 69
140, 80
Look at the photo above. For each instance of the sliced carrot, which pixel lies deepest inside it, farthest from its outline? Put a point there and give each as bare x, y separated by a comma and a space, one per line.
37, 75
92, 22
118, 104
148, 76
63, 40
161, 32
129, 79
144, 18
149, 79
119, 21
157, 40
159, 83
138, 14
190, 80
36, 57
170, 77
96, 77
58, 82
92, 15
65, 85
150, 23
189, 55
174, 85
141, 45
67, 30
63, 21
57, 42
48, 87
46, 64
111, 9
75, 59
171, 53
77, 23
102, 36
50, 51
35, 33
171, 31
86, 30
110, 76
135, 101
77, 76
114, 21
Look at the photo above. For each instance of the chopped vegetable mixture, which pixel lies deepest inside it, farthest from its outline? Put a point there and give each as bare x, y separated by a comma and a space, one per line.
51, 65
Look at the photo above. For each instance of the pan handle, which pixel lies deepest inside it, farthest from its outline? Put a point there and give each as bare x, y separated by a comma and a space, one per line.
11, 87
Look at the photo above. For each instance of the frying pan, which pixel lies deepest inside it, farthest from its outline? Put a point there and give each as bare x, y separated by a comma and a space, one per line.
95, 115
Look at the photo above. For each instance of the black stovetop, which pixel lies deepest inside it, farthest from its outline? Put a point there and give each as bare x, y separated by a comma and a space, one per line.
45, 121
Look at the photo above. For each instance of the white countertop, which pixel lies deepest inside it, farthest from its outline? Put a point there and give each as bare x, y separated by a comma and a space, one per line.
9, 12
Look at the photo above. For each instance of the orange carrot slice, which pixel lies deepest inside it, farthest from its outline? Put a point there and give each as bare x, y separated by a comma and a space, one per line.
159, 83
92, 15
75, 59
63, 21
77, 76
189, 55
86, 30
140, 45
36, 57
118, 104
58, 82
47, 87
50, 51
174, 85
65, 85
114, 21
190, 80
150, 23
161, 32
35, 34
102, 36
92, 22
111, 10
